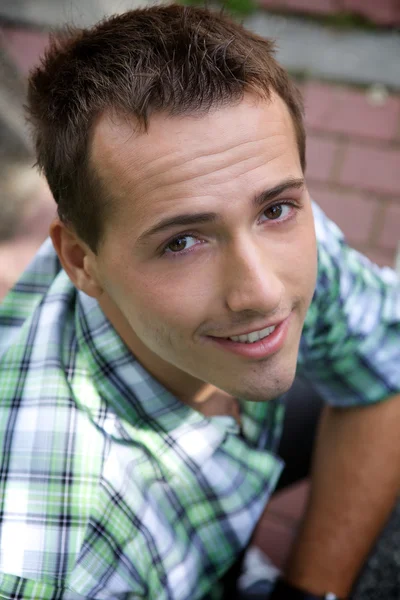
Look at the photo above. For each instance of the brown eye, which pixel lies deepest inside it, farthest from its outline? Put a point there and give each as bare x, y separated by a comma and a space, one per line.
274, 212
180, 243
177, 245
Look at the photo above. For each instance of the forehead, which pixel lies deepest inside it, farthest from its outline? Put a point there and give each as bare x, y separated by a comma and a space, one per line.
180, 154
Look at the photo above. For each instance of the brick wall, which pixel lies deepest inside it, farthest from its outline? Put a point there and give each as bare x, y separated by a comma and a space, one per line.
353, 156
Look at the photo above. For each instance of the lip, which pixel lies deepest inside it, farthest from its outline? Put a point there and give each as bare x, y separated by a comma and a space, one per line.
260, 349
275, 324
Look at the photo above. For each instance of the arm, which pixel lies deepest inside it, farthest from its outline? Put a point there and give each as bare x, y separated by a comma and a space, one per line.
355, 481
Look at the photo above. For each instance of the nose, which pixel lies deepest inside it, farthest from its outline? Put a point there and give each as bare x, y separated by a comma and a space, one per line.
251, 276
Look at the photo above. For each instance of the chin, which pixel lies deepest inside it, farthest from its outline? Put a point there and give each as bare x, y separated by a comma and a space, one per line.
276, 386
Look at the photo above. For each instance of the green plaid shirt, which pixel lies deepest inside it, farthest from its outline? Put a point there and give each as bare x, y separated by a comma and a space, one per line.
109, 486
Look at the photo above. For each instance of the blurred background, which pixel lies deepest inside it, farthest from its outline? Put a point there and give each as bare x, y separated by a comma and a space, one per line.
345, 57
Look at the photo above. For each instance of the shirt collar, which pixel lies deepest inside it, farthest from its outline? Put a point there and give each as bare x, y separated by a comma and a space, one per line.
141, 404
140, 400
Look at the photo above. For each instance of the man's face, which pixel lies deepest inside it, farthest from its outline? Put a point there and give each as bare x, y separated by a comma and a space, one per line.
211, 237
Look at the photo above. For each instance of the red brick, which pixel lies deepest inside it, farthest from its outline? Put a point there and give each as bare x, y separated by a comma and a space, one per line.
312, 6
37, 219
290, 503
390, 234
354, 213
384, 12
25, 47
275, 538
372, 168
15, 257
16, 253
4, 287
321, 155
383, 258
342, 110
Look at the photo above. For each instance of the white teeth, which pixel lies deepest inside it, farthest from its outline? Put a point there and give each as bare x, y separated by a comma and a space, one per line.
254, 337
250, 338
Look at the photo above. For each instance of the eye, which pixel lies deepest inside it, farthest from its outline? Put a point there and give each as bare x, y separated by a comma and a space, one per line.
180, 243
277, 212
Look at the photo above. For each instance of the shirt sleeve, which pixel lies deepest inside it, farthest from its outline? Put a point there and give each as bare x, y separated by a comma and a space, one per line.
350, 347
13, 587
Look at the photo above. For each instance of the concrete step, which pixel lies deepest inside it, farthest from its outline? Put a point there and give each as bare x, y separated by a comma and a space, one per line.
346, 55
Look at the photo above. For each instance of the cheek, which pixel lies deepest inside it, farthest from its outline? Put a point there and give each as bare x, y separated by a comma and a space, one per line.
309, 261
301, 261
161, 303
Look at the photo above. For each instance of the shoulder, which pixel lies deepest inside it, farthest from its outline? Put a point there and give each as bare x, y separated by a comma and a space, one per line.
29, 291
350, 341
48, 453
36, 323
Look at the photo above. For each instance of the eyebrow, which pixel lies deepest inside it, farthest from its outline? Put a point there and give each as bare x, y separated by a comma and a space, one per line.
276, 191
211, 217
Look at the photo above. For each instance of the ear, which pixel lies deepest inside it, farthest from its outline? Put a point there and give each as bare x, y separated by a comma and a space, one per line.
77, 259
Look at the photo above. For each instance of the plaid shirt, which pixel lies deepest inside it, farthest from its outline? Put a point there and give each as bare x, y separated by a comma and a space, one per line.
112, 488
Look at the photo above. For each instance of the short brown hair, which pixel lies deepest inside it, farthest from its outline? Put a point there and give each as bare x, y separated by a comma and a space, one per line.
175, 59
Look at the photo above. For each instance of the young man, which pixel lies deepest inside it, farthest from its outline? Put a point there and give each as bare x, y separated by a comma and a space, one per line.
145, 351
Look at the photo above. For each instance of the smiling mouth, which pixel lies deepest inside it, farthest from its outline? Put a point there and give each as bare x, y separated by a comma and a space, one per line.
254, 336
257, 344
